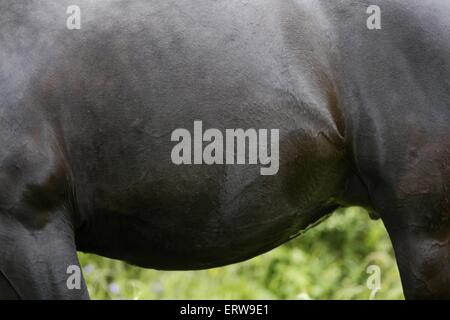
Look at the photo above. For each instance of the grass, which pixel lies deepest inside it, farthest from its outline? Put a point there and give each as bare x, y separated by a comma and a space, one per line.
328, 262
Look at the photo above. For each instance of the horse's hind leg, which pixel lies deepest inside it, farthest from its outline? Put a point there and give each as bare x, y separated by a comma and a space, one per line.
423, 257
34, 262
417, 216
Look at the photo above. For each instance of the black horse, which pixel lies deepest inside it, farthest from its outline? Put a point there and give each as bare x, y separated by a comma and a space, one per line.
87, 122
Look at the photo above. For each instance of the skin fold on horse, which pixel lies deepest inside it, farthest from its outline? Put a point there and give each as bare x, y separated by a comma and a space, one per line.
86, 118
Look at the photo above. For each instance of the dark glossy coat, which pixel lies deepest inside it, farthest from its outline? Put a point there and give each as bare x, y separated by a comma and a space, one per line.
86, 117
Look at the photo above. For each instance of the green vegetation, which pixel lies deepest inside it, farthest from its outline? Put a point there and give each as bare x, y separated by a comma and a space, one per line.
328, 262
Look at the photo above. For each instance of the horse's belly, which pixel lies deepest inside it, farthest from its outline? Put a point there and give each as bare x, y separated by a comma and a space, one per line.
215, 215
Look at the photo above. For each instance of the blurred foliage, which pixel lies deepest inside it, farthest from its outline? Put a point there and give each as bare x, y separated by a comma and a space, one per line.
327, 262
